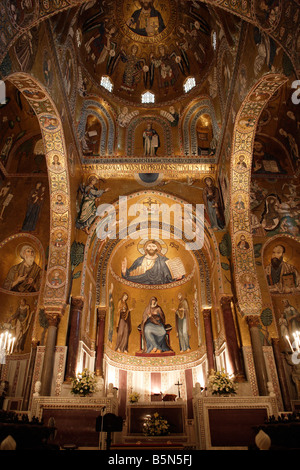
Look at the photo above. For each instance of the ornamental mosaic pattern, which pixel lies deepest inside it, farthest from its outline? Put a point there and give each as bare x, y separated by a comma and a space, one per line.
52, 132
248, 291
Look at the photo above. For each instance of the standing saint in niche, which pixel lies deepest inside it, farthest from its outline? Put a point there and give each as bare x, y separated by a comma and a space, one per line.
212, 202
21, 318
124, 325
182, 322
151, 141
34, 206
111, 309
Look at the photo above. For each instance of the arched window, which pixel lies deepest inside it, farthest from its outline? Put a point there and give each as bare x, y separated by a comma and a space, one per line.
2, 92
188, 84
148, 97
106, 83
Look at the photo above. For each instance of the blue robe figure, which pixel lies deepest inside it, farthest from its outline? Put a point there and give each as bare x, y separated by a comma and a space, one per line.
153, 329
159, 273
34, 206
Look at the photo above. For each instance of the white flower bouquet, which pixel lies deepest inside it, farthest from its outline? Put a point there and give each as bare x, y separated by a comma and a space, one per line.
155, 425
219, 383
84, 383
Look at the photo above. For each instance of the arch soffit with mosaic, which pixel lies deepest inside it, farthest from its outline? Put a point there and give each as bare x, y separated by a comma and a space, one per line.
247, 284
161, 121
188, 123
107, 120
60, 218
246, 10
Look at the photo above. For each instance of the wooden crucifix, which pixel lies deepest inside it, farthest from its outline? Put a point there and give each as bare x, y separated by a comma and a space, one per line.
178, 385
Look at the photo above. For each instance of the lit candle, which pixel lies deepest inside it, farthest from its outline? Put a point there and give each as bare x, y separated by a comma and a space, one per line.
12, 345
288, 339
5, 340
9, 343
296, 340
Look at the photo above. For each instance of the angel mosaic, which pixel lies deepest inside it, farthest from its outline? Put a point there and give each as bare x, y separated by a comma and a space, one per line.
88, 210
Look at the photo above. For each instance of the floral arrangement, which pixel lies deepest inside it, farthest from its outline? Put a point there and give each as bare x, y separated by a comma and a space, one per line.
134, 397
84, 384
219, 383
155, 425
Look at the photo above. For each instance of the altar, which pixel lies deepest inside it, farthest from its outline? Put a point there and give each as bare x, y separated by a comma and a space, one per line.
74, 418
136, 414
230, 422
173, 412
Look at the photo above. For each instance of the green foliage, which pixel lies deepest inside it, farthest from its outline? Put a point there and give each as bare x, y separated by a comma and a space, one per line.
266, 317
225, 266
76, 275
43, 320
225, 245
84, 384
77, 254
257, 250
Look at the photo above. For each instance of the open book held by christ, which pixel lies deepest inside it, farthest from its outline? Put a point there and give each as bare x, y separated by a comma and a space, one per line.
176, 268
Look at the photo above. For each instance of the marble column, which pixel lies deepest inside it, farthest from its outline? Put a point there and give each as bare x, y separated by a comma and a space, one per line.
73, 337
49, 356
281, 375
101, 312
233, 349
258, 354
209, 339
28, 384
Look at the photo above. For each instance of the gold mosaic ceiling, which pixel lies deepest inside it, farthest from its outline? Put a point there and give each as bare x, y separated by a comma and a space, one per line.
145, 46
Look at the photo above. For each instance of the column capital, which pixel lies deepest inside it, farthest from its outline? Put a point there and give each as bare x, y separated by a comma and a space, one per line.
77, 302
206, 312
54, 313
101, 312
226, 299
35, 343
253, 320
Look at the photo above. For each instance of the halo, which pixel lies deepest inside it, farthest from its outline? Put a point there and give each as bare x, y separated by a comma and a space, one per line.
21, 245
142, 242
93, 175
288, 256
209, 177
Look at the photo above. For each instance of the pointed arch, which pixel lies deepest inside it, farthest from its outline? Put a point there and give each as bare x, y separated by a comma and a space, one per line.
247, 284
130, 134
189, 121
60, 214
108, 134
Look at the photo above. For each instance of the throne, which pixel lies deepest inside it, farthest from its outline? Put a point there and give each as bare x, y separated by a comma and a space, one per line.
166, 353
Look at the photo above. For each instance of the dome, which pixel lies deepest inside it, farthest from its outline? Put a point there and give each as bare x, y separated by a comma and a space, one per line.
144, 46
